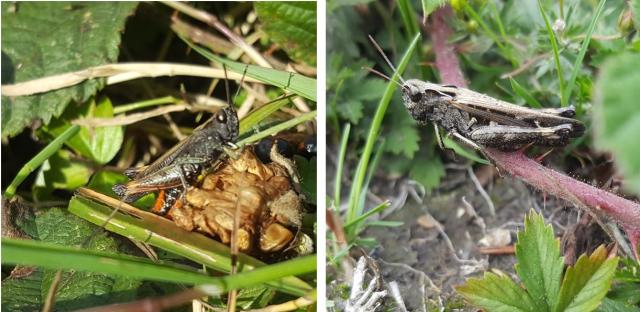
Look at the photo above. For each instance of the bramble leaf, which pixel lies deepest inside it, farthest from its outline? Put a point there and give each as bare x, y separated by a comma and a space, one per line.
48, 38
292, 26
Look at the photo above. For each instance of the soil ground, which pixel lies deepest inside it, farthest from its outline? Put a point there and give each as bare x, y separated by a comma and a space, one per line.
419, 257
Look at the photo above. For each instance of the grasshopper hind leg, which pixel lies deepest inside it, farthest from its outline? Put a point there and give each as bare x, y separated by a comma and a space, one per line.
513, 138
123, 192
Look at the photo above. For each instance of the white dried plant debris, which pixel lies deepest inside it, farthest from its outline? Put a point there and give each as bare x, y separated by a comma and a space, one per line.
397, 297
496, 238
360, 299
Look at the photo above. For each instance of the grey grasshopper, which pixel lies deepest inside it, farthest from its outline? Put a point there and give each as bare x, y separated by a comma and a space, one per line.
483, 121
174, 171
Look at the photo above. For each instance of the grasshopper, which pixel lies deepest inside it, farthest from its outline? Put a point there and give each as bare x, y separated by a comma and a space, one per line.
479, 120
182, 164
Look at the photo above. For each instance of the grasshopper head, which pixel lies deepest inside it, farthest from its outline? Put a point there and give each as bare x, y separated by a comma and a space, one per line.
225, 125
420, 98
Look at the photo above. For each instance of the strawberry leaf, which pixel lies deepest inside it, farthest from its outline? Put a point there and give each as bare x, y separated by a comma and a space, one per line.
585, 285
539, 262
496, 293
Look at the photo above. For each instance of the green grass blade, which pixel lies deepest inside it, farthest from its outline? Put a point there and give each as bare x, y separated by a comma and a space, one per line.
523, 93
409, 20
28, 252
263, 112
583, 50
554, 46
449, 143
489, 32
296, 83
354, 209
367, 214
37, 253
342, 154
163, 233
143, 104
277, 128
36, 161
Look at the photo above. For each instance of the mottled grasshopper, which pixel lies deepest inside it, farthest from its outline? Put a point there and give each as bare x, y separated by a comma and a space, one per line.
483, 121
174, 170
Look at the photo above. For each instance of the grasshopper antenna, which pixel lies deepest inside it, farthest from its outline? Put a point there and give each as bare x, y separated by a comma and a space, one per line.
244, 73
386, 59
382, 75
226, 84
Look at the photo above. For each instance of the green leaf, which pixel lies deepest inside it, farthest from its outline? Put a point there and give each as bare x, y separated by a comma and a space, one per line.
254, 297
351, 109
609, 305
334, 4
80, 289
40, 158
523, 93
22, 294
296, 83
99, 144
58, 257
428, 6
46, 38
554, 45
616, 115
635, 9
292, 26
405, 140
260, 114
60, 172
585, 284
308, 170
450, 143
428, 171
539, 262
496, 293
577, 66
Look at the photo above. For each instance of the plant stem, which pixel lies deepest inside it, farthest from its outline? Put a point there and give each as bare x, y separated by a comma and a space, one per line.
36, 161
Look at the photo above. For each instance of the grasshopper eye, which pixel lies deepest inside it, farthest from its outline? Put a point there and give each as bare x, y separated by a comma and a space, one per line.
221, 118
415, 95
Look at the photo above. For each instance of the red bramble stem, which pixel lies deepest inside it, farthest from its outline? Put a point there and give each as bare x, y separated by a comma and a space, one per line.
625, 212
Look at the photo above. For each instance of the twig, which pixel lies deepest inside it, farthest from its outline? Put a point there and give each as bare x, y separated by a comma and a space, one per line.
397, 297
128, 119
51, 294
524, 66
292, 305
213, 21
174, 128
152, 304
502, 250
363, 300
115, 73
483, 193
478, 220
